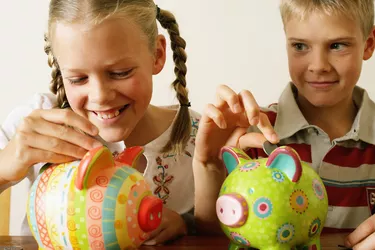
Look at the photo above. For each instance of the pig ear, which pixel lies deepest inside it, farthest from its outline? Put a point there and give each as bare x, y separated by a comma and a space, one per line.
130, 156
97, 158
232, 157
286, 160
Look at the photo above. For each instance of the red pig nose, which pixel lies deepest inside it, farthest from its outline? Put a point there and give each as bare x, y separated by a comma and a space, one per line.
150, 212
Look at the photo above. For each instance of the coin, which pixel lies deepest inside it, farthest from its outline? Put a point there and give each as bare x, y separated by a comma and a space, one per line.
268, 147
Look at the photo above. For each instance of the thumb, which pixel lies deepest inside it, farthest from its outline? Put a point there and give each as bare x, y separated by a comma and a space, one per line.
251, 140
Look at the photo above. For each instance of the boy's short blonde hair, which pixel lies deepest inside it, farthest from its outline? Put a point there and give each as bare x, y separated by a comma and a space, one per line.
359, 10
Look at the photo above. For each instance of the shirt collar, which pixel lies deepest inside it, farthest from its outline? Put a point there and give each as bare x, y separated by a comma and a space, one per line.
290, 120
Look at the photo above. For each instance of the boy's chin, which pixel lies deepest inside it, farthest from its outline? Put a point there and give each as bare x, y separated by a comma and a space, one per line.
323, 102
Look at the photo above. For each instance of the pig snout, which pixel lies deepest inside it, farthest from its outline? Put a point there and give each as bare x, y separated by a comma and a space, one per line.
150, 213
232, 210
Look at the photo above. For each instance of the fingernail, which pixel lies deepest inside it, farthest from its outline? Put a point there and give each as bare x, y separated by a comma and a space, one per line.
223, 124
237, 108
150, 243
254, 121
97, 144
94, 130
275, 138
347, 243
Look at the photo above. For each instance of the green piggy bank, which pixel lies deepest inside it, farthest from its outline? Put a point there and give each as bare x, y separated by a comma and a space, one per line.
273, 203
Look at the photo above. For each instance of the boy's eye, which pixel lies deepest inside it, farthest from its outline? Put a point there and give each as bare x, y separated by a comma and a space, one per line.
121, 74
299, 46
338, 46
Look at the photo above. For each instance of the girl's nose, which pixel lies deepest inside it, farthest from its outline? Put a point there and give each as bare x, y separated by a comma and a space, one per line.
100, 92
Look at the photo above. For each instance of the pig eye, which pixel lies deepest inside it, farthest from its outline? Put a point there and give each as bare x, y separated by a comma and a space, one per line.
232, 210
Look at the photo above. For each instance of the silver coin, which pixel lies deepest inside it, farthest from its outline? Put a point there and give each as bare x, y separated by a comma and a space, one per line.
268, 147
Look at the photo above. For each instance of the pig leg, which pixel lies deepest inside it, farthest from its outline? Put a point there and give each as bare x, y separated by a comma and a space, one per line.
277, 247
233, 246
314, 244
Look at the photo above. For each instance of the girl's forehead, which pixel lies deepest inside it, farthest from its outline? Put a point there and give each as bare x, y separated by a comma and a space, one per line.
103, 43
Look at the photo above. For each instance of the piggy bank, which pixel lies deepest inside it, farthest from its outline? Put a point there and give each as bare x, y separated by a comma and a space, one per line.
96, 203
277, 203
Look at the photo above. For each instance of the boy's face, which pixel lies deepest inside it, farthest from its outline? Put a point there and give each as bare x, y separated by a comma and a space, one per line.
325, 56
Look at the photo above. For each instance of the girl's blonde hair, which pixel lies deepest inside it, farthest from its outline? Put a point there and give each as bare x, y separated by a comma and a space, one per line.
144, 13
358, 10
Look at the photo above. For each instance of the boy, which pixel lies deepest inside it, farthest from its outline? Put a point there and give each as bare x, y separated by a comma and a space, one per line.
322, 114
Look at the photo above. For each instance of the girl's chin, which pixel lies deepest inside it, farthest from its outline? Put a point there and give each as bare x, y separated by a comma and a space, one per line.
112, 136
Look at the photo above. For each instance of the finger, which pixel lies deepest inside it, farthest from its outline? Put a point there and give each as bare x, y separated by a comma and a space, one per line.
216, 116
162, 237
225, 96
157, 231
365, 229
38, 155
366, 244
68, 117
52, 144
65, 133
251, 107
152, 238
267, 129
251, 140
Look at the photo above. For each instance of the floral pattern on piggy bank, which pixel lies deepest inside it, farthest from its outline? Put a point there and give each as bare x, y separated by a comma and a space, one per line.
274, 203
96, 203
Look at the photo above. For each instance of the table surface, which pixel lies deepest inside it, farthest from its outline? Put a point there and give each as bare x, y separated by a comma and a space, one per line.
329, 242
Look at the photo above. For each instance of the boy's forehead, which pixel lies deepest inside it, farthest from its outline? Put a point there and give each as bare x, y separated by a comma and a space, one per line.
322, 25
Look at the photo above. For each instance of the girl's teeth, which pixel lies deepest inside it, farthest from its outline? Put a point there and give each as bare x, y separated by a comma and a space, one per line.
108, 115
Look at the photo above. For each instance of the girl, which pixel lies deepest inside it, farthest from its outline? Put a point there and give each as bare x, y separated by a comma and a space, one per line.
103, 55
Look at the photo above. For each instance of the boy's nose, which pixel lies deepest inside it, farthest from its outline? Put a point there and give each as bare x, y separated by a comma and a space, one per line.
319, 62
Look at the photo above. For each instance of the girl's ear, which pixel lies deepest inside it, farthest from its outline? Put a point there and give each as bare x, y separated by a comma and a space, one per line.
160, 54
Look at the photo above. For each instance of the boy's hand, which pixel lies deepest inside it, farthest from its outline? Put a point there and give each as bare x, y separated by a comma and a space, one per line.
226, 124
363, 237
172, 226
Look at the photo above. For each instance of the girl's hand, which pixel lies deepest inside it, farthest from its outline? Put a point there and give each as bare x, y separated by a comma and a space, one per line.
172, 226
46, 136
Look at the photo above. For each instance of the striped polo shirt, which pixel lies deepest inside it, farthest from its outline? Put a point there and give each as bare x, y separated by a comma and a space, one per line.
346, 165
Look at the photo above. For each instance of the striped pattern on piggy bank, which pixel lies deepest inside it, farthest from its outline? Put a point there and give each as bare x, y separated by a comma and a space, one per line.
277, 203
96, 203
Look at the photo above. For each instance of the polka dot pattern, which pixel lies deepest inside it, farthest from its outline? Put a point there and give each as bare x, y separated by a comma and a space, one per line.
299, 201
249, 166
262, 207
285, 233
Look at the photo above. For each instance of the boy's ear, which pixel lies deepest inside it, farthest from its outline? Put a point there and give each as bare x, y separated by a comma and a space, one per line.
370, 45
160, 54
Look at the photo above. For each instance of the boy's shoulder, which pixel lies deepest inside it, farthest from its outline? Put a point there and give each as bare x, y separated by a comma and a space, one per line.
287, 119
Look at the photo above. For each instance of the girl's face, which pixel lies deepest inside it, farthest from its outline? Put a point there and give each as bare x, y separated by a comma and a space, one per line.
107, 72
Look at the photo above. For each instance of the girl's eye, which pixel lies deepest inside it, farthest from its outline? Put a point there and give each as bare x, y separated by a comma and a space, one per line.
76, 81
121, 74
299, 46
338, 46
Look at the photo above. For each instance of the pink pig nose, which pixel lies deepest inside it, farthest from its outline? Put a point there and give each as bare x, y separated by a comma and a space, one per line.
150, 213
232, 210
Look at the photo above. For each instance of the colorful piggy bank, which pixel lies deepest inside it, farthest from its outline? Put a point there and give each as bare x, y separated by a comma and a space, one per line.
273, 203
96, 203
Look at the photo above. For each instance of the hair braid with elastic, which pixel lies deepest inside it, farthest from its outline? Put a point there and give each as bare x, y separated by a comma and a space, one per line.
56, 85
182, 128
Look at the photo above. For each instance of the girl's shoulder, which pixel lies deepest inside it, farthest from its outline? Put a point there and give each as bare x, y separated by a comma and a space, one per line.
37, 101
